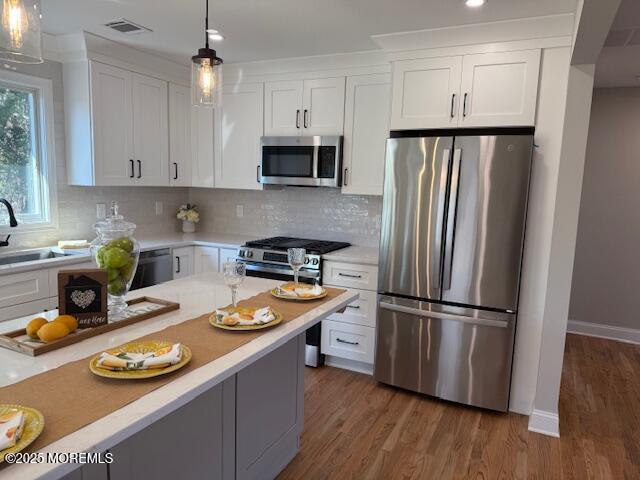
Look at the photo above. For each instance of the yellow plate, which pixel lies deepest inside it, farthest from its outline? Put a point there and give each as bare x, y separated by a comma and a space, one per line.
33, 425
249, 310
140, 347
277, 294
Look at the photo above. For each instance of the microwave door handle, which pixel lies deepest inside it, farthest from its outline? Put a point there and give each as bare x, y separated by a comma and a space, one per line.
316, 153
450, 236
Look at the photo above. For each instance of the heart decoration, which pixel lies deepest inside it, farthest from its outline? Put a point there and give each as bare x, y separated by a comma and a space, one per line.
83, 299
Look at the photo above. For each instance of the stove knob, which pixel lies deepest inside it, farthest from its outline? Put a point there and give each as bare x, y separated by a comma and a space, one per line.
249, 254
241, 253
315, 261
306, 260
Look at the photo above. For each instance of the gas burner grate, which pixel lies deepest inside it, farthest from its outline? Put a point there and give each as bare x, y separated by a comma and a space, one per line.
317, 247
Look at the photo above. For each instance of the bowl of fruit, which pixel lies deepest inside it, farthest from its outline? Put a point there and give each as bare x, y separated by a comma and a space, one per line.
116, 251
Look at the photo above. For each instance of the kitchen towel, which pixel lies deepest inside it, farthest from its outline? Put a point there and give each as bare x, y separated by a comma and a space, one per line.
55, 393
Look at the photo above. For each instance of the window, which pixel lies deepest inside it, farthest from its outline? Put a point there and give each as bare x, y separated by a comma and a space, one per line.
25, 150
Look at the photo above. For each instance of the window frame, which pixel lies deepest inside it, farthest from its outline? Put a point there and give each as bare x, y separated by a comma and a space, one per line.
45, 143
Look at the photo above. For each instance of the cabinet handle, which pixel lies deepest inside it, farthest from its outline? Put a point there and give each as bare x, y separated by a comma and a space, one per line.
464, 105
258, 173
453, 102
305, 118
178, 266
139, 168
346, 176
133, 169
340, 274
346, 341
355, 307
175, 176
297, 118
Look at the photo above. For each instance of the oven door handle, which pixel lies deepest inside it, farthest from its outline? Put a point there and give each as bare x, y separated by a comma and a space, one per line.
281, 271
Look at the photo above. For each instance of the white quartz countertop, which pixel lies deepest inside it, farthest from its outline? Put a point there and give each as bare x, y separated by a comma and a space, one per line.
197, 295
353, 254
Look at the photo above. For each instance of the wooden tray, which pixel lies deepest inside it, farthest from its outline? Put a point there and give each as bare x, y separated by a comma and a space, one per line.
18, 340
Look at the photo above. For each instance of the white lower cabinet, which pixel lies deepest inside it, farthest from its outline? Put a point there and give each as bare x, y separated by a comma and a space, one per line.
227, 255
348, 341
24, 287
183, 262
349, 338
29, 308
206, 259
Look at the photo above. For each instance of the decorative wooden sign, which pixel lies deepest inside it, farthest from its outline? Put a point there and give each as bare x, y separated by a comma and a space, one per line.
83, 294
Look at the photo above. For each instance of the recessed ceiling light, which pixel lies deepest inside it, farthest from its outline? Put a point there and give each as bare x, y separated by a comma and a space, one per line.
474, 3
216, 37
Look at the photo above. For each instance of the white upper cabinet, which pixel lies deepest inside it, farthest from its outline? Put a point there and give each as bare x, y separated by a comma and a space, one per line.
239, 128
150, 130
366, 128
112, 108
483, 90
202, 150
128, 143
283, 107
500, 89
426, 93
323, 106
305, 107
180, 136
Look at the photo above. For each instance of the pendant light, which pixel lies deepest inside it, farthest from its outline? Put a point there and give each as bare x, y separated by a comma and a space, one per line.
20, 31
205, 78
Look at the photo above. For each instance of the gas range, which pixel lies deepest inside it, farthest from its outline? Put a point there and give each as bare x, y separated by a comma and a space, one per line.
267, 257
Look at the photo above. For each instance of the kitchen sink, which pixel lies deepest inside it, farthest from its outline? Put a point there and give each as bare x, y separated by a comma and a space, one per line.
28, 256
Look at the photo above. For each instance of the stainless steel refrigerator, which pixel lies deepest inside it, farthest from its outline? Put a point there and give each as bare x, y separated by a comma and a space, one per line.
453, 222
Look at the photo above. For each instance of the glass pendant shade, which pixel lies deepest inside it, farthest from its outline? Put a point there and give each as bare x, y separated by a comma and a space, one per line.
205, 78
20, 31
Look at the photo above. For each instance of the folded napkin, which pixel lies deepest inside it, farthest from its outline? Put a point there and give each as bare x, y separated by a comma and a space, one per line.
259, 317
301, 291
141, 361
11, 428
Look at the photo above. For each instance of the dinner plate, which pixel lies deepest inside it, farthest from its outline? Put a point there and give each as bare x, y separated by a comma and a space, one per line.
272, 323
276, 293
34, 423
140, 347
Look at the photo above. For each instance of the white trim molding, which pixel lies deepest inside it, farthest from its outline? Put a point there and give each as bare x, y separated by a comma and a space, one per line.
546, 423
620, 334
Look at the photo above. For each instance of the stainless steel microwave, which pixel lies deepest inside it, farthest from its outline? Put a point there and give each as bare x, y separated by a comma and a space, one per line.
302, 161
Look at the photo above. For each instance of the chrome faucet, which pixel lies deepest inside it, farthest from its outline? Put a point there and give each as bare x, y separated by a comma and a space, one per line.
12, 221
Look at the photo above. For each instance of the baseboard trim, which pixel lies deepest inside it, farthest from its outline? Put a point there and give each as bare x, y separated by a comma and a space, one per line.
546, 423
352, 365
620, 334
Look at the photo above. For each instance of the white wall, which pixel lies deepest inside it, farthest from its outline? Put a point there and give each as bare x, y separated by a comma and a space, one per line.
77, 205
546, 165
607, 265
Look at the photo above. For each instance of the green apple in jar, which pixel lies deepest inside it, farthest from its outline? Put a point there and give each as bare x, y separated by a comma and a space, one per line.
123, 243
127, 271
117, 286
115, 257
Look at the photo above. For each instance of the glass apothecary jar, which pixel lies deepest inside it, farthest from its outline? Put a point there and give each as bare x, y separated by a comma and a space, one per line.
116, 251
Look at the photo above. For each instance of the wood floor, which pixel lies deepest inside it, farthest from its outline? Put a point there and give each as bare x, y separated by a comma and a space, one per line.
356, 428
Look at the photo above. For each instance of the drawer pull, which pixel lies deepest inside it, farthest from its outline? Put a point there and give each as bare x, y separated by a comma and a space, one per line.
339, 340
340, 274
355, 307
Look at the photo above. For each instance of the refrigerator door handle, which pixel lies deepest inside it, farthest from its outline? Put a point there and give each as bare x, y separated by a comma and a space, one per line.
485, 322
449, 241
435, 262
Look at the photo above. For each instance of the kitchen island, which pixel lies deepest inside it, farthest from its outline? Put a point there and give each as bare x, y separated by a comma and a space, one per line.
239, 416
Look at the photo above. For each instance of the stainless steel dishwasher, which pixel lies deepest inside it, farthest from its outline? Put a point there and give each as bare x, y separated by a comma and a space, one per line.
154, 267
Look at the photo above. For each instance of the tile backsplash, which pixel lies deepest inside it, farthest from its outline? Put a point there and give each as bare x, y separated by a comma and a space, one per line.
320, 213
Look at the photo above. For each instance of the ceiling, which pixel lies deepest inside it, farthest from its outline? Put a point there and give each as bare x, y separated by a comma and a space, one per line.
619, 62
261, 30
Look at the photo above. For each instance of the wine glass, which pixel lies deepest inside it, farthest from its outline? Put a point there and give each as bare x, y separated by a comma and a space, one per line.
296, 260
234, 273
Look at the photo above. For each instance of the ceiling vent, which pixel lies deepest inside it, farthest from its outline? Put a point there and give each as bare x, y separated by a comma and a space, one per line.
127, 27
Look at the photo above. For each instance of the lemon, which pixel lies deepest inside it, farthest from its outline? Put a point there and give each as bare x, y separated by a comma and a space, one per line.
70, 322
34, 325
53, 331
